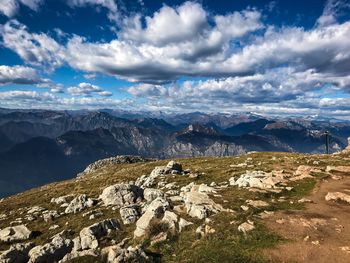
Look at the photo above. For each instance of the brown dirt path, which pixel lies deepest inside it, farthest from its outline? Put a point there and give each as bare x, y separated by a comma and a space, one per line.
320, 233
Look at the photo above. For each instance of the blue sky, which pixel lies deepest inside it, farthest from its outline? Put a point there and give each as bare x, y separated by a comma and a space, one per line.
269, 57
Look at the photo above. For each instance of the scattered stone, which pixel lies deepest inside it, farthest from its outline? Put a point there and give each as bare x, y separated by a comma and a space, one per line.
50, 215
15, 233
346, 249
304, 171
35, 210
205, 230
129, 214
257, 179
79, 203
257, 203
304, 200
89, 235
17, 253
121, 194
246, 227
338, 196
53, 227
170, 219
244, 208
63, 200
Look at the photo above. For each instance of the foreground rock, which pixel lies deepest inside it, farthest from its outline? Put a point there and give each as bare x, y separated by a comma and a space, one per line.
154, 211
338, 196
17, 253
51, 252
121, 195
117, 254
15, 233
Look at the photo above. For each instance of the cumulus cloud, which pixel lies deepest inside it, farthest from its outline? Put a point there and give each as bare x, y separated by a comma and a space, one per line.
87, 89
33, 48
19, 75
9, 8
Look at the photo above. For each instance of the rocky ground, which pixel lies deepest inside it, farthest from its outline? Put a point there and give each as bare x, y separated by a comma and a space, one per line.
259, 207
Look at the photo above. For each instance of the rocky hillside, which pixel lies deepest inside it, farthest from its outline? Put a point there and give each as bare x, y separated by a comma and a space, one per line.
204, 209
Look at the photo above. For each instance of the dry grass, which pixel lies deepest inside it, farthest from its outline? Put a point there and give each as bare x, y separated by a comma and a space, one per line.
226, 245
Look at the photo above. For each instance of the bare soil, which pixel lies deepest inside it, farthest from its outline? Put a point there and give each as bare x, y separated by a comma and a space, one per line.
320, 233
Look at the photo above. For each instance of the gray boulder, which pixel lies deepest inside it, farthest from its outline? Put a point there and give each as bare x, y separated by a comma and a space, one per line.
121, 194
89, 235
129, 214
79, 203
51, 252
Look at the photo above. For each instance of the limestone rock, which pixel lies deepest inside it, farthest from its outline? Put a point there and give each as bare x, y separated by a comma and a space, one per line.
35, 210
150, 194
50, 215
66, 199
116, 254
129, 214
200, 205
304, 171
338, 196
339, 169
79, 203
121, 194
89, 235
257, 179
257, 203
171, 220
15, 233
246, 227
183, 224
17, 253
155, 210
50, 252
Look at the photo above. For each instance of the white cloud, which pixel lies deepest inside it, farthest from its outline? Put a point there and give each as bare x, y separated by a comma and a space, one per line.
33, 48
19, 75
87, 89
9, 8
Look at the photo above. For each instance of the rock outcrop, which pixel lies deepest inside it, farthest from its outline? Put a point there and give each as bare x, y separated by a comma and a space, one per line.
338, 196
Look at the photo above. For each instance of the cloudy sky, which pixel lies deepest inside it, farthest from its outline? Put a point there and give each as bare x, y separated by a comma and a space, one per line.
269, 57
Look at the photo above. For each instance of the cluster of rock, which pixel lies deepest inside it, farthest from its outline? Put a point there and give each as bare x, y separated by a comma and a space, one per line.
119, 159
148, 203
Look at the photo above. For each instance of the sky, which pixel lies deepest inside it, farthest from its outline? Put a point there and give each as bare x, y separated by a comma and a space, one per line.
268, 57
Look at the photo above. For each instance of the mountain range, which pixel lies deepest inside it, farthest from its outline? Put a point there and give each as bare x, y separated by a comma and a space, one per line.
41, 146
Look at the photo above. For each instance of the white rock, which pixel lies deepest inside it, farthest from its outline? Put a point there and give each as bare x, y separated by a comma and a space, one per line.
338, 196
50, 252
15, 233
183, 224
155, 210
79, 203
89, 235
121, 194
129, 214
150, 194
246, 227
